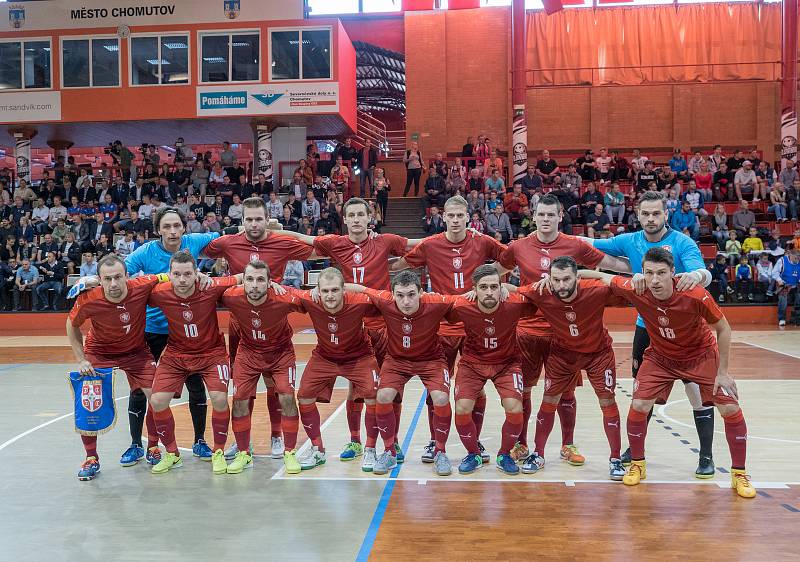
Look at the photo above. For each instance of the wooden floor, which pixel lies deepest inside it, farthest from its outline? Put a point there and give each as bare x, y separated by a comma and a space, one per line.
337, 512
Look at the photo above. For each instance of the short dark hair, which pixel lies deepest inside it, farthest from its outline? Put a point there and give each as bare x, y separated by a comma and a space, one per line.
482, 271
254, 203
549, 199
109, 260
258, 264
354, 201
183, 256
653, 196
160, 215
564, 262
406, 277
659, 255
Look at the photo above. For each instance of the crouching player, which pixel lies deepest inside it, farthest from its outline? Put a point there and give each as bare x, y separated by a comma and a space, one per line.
682, 347
117, 310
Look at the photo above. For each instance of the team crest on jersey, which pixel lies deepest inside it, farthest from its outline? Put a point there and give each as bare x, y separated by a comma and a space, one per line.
358, 257
124, 317
668, 248
254, 257
663, 320
489, 330
571, 316
407, 328
544, 262
92, 395
187, 315
457, 263
256, 322
332, 327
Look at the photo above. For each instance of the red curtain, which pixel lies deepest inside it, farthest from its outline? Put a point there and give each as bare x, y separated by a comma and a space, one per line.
652, 44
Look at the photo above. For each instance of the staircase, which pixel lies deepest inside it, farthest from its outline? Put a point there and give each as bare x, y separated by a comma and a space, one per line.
405, 217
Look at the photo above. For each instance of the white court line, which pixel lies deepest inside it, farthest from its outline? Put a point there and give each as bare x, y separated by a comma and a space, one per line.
773, 350
524, 480
662, 413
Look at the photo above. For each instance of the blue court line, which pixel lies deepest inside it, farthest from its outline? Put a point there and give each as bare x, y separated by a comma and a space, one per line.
383, 503
14, 366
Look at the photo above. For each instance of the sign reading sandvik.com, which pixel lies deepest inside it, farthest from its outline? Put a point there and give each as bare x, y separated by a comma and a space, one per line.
30, 107
273, 99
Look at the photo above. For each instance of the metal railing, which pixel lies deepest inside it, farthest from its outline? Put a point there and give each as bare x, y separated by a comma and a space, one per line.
391, 143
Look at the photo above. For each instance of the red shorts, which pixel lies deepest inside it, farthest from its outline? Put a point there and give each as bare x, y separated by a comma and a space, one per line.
140, 367
233, 338
562, 371
395, 373
173, 369
380, 343
534, 350
251, 365
320, 375
451, 345
472, 377
657, 373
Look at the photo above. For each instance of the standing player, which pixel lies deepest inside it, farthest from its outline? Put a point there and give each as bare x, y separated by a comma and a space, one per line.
574, 309
363, 259
692, 272
116, 339
682, 347
412, 322
194, 345
256, 242
490, 353
450, 258
343, 349
534, 255
265, 349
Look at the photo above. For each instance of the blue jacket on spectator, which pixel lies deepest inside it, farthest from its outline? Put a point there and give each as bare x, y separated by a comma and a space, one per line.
678, 165
681, 220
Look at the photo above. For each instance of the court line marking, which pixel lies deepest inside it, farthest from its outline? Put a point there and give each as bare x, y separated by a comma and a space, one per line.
765, 348
662, 412
383, 503
13, 366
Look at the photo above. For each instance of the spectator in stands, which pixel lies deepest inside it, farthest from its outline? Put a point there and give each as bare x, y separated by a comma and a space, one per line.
789, 173
340, 175
367, 159
695, 199
666, 178
685, 220
307, 172
216, 176
9, 249
528, 223
678, 165
227, 158
27, 278
531, 181
210, 222
764, 281
604, 166
103, 246
724, 183
8, 274
775, 245
695, 162
498, 225
347, 151
547, 168
51, 273
454, 183
590, 199
457, 169
439, 165
638, 162
765, 176
25, 191
495, 182
492, 164
413, 162
468, 153
382, 189
778, 203
293, 274
476, 223
39, 217
288, 220
274, 207
614, 202
313, 156
673, 203
513, 203
296, 205
752, 245
24, 230
746, 182
183, 152
598, 224
434, 189
70, 252
26, 250
571, 180
492, 202
261, 187
620, 166
793, 197
193, 226
311, 207
482, 152
219, 207
736, 161
786, 274
475, 181
646, 175
719, 225
475, 203
47, 245
743, 218
236, 210
733, 248
715, 159
719, 273
587, 167
433, 222
744, 280
60, 231
569, 202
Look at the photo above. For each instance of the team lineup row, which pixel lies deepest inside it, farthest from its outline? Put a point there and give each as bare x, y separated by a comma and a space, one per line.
501, 337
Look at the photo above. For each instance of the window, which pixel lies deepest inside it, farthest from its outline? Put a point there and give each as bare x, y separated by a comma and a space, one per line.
300, 54
90, 62
320, 7
160, 60
380, 6
230, 58
24, 64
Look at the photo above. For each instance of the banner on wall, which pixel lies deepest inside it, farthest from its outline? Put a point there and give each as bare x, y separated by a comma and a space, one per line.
263, 152
268, 99
788, 136
519, 140
22, 158
30, 107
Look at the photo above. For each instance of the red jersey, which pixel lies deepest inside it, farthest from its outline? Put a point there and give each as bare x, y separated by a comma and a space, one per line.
414, 337
492, 337
117, 328
340, 336
578, 325
450, 265
264, 328
534, 257
192, 322
274, 250
678, 327
366, 263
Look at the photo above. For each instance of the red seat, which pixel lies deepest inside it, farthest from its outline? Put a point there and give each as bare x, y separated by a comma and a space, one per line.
578, 230
786, 228
709, 251
710, 208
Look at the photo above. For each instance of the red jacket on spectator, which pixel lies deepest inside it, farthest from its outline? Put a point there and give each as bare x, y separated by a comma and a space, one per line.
513, 203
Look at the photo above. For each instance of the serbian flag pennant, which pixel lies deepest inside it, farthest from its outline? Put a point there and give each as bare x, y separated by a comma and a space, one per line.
95, 409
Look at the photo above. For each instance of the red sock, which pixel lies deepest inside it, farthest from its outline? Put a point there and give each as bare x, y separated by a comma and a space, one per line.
431, 424
442, 418
372, 426
467, 432
219, 425
736, 434
477, 415
544, 425
354, 419
165, 428
637, 431
510, 432
274, 407
90, 444
289, 427
309, 414
526, 417
241, 431
611, 425
385, 418
398, 409
567, 410
152, 432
